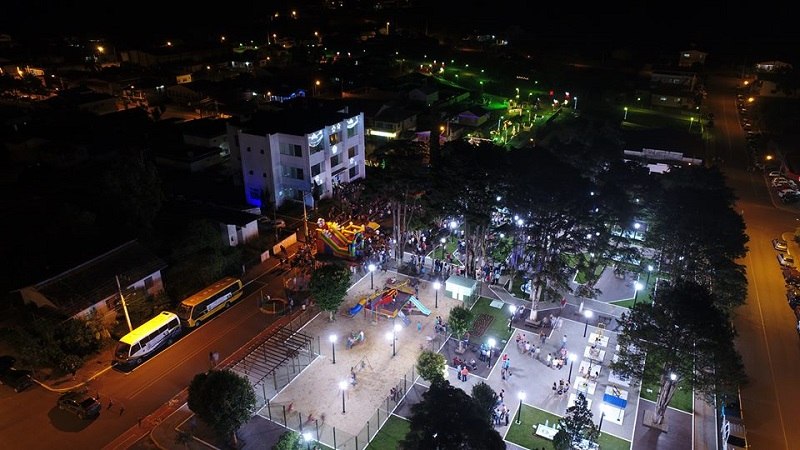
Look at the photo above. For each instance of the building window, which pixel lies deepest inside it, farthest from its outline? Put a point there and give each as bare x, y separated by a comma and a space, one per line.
352, 151
248, 149
353, 172
316, 148
291, 149
334, 161
251, 172
316, 169
263, 174
334, 138
148, 283
352, 132
262, 151
292, 172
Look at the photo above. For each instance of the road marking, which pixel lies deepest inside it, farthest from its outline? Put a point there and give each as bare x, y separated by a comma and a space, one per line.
769, 355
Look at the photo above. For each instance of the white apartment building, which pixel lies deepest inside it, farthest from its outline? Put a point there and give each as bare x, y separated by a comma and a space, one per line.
282, 155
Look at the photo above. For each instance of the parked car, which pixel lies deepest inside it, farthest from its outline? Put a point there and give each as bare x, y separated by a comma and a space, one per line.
779, 244
16, 379
786, 259
80, 403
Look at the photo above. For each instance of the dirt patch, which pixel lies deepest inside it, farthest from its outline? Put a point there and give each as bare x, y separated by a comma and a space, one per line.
480, 325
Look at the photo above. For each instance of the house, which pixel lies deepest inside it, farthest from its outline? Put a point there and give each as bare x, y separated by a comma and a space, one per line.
773, 66
474, 116
426, 95
237, 226
682, 80
282, 155
688, 58
91, 287
391, 121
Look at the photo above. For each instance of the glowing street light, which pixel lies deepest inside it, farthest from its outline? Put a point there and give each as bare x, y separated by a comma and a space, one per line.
436, 286
392, 335
512, 309
332, 338
572, 357
491, 343
588, 315
307, 440
371, 269
626, 114
343, 387
521, 396
637, 286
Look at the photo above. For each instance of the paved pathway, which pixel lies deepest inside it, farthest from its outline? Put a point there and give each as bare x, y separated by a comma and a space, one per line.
528, 375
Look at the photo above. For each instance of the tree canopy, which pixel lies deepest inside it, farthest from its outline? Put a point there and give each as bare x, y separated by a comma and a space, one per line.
329, 285
684, 333
223, 400
460, 424
460, 321
576, 425
430, 366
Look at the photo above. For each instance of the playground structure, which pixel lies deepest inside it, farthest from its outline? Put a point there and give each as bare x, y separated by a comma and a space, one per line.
394, 301
341, 241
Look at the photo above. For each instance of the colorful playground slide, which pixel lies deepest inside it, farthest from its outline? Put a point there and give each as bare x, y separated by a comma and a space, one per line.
356, 308
418, 304
335, 247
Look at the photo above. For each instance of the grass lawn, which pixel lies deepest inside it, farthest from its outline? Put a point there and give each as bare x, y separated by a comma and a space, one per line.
681, 400
499, 326
450, 245
390, 435
582, 277
524, 434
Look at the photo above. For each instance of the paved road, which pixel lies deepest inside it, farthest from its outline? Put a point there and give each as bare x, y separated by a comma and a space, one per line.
767, 339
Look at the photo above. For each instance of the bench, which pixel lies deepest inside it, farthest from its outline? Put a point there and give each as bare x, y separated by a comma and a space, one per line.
533, 323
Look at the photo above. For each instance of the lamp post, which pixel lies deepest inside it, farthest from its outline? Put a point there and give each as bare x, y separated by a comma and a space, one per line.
343, 387
392, 335
512, 309
436, 286
521, 396
442, 241
332, 338
588, 315
307, 439
572, 357
491, 350
649, 271
371, 269
575, 105
625, 117
636, 288
602, 416
691, 122
316, 85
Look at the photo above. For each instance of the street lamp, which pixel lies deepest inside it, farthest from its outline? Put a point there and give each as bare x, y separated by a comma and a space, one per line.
512, 309
588, 314
442, 241
602, 416
691, 122
392, 335
626, 114
521, 396
575, 105
332, 338
492, 343
436, 286
371, 268
649, 271
572, 357
316, 85
343, 387
307, 439
636, 288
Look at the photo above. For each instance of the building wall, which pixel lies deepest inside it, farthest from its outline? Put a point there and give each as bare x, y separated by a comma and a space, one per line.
234, 235
264, 166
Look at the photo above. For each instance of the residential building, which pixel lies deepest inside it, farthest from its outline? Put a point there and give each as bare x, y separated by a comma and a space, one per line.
689, 58
91, 287
282, 155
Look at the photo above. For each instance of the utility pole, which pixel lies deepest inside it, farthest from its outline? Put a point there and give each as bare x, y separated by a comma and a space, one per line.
124, 306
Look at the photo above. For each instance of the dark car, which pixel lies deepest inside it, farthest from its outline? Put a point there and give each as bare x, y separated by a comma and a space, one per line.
16, 379
80, 403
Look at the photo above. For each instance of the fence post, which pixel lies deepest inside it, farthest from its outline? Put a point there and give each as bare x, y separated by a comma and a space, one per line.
285, 422
405, 385
316, 427
269, 410
368, 436
334, 437
275, 378
300, 418
264, 391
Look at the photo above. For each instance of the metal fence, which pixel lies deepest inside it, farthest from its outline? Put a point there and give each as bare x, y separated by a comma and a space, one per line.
336, 438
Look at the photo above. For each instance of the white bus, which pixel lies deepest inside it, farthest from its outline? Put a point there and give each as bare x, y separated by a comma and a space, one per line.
204, 304
160, 331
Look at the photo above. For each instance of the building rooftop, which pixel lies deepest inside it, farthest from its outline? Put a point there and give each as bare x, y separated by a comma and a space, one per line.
293, 121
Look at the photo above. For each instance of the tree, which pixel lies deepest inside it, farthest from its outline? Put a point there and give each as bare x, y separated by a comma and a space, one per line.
329, 285
223, 400
485, 398
430, 366
576, 425
685, 337
460, 322
289, 440
461, 426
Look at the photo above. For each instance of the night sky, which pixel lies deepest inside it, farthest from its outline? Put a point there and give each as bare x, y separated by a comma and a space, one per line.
763, 31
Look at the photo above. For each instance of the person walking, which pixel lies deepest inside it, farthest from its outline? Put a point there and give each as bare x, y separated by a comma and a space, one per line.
464, 373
